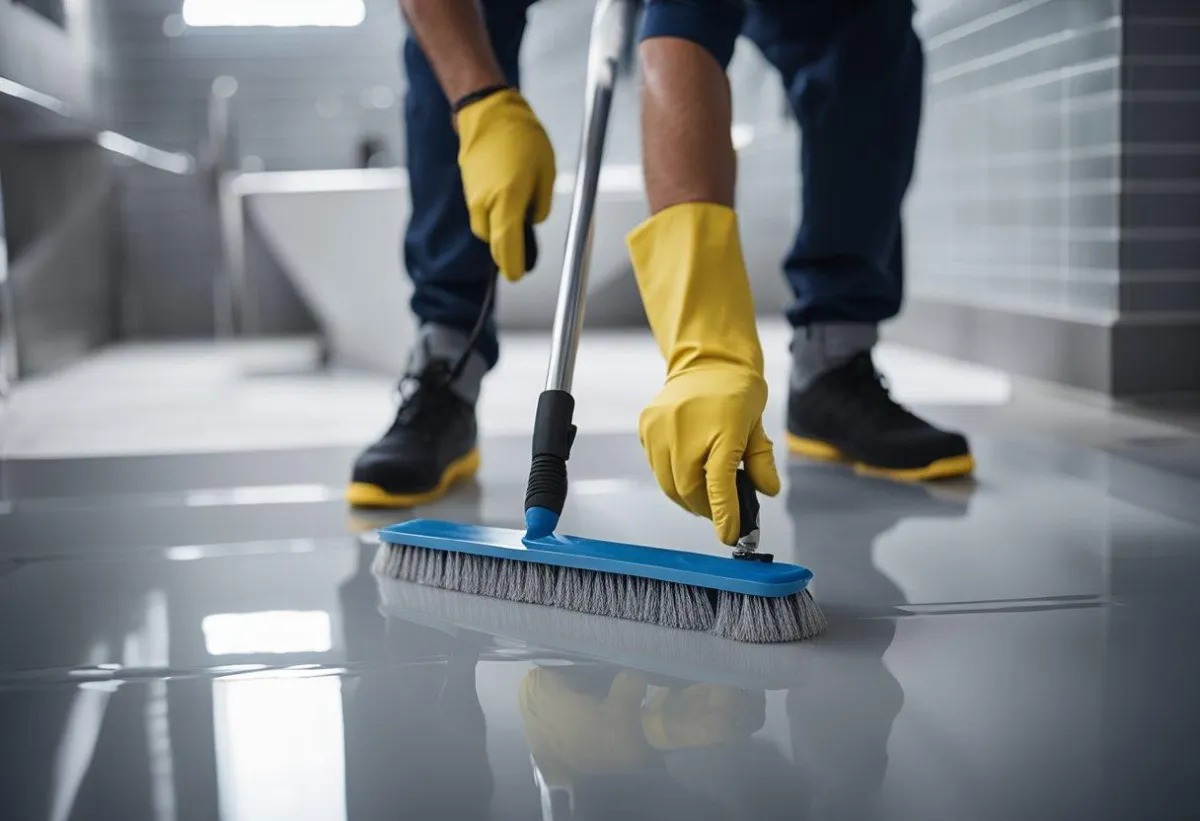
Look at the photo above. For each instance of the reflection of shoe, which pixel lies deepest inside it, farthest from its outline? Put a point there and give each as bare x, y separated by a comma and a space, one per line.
430, 446
824, 488
366, 522
847, 414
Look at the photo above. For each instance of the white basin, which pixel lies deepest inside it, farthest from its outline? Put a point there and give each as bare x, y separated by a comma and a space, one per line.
338, 234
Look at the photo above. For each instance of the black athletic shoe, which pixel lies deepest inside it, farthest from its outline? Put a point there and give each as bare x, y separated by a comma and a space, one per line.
848, 415
429, 447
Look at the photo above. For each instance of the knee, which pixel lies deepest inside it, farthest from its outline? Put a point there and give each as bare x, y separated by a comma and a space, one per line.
713, 25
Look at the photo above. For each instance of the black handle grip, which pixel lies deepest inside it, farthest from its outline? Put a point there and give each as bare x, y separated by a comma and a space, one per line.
747, 505
553, 435
748, 510
547, 485
531, 246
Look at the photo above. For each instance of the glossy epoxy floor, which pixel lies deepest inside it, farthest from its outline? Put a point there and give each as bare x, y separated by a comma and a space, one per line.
200, 637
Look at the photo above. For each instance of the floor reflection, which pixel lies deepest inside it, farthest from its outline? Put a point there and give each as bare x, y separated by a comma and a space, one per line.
279, 747
840, 719
415, 734
626, 720
1020, 650
602, 740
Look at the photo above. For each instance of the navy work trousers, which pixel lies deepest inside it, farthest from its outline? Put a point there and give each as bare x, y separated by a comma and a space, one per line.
853, 71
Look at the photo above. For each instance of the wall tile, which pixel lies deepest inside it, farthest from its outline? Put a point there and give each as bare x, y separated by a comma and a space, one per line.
1024, 118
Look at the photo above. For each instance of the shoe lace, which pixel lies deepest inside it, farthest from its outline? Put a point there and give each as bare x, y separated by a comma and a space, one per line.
873, 395
426, 397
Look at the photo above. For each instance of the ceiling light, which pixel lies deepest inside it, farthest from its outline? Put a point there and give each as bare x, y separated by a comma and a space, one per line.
277, 13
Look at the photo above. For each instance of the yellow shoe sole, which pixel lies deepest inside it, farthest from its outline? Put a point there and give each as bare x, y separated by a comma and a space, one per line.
948, 468
364, 494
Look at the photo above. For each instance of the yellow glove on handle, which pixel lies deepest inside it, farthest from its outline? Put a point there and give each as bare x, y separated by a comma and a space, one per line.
508, 174
574, 733
708, 416
702, 715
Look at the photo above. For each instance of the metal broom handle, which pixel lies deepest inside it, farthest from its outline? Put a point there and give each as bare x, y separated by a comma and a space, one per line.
612, 31
553, 430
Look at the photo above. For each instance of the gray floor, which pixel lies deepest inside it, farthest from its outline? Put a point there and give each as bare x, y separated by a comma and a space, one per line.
199, 636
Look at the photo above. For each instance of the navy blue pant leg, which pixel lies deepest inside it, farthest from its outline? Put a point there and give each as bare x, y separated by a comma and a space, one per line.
711, 24
854, 73
449, 266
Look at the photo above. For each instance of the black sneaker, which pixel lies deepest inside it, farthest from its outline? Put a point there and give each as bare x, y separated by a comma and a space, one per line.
430, 446
848, 415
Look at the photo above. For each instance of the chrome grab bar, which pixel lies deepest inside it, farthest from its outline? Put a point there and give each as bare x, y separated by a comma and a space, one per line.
8, 331
235, 306
174, 162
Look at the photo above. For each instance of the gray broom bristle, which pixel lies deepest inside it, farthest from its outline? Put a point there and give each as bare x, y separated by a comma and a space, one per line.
756, 619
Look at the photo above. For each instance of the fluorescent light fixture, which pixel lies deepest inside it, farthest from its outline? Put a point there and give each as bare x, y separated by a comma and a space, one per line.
270, 631
277, 13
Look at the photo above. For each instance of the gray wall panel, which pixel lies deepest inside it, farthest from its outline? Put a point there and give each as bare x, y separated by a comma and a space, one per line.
59, 205
1016, 202
58, 186
172, 255
1058, 190
305, 97
70, 63
1160, 295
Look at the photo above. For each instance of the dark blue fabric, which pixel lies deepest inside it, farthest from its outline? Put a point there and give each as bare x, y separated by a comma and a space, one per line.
711, 24
853, 71
449, 266
854, 74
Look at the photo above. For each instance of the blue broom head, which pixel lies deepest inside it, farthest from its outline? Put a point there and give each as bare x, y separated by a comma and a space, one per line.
765, 579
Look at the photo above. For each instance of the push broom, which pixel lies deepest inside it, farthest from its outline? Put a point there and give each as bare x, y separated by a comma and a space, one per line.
748, 597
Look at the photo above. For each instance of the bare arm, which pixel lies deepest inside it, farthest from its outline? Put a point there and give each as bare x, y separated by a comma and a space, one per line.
455, 41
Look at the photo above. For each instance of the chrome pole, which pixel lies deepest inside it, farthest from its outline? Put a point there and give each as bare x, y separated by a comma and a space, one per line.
612, 29
9, 361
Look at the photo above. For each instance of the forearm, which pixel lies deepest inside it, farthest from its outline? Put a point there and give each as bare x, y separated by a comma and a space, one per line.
455, 41
687, 152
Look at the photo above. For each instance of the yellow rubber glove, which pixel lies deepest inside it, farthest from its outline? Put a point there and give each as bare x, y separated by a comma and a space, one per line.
508, 173
708, 416
702, 715
574, 733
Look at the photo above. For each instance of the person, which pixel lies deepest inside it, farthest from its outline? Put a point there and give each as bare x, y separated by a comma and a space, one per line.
480, 164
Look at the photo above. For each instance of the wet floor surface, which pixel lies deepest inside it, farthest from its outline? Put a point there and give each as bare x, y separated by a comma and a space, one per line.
201, 637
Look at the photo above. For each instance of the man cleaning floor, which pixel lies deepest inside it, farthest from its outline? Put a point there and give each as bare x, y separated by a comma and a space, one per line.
480, 165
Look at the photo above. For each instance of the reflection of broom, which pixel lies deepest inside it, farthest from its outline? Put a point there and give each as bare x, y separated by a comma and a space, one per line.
748, 597
540, 634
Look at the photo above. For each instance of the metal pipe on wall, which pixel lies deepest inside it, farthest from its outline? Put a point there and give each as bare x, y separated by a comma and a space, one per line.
235, 306
8, 327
